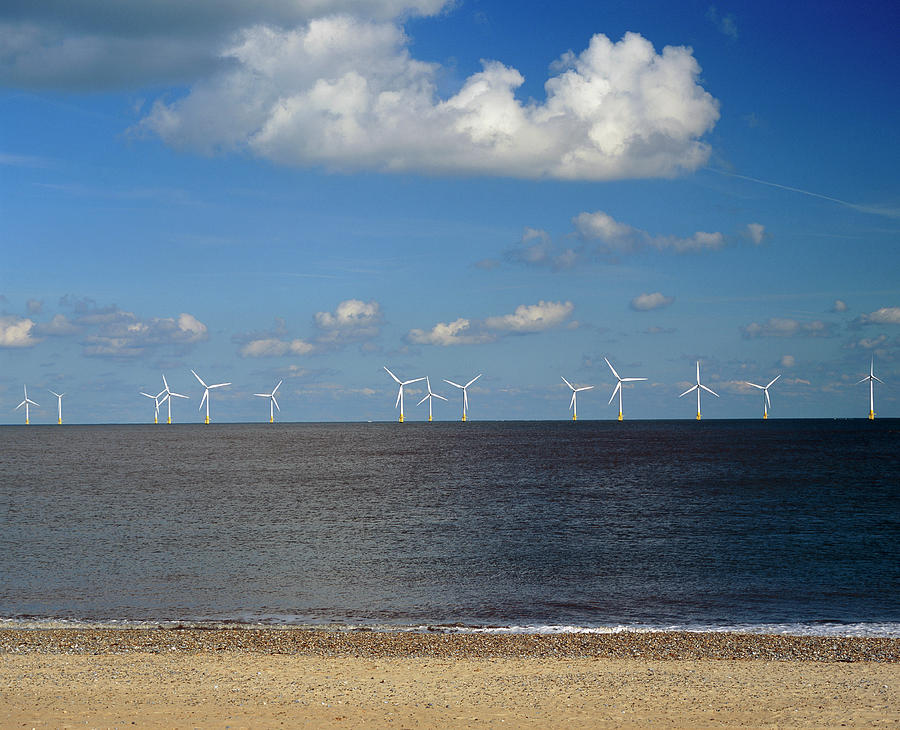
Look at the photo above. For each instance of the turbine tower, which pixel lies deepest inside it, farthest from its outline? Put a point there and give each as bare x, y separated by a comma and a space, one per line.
59, 397
273, 404
465, 395
573, 404
871, 377
618, 388
168, 397
155, 404
429, 396
26, 403
400, 393
767, 403
698, 387
205, 398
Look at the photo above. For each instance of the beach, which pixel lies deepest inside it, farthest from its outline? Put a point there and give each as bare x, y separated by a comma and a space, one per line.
202, 677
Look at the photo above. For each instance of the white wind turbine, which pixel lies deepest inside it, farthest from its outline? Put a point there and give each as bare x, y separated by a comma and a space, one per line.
205, 398
59, 397
429, 396
618, 388
463, 389
155, 404
698, 387
168, 397
26, 403
872, 378
573, 404
400, 394
767, 403
273, 404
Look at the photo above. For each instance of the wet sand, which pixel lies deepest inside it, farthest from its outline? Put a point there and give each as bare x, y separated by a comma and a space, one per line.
302, 678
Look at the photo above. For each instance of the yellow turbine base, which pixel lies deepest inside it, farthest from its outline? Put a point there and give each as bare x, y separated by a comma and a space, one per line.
429, 418
26, 422
207, 420
401, 418
765, 416
871, 415
272, 420
574, 418
620, 416
464, 417
698, 416
155, 420
169, 420
59, 422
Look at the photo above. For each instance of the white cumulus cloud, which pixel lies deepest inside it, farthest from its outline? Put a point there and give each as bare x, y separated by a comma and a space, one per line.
526, 319
786, 327
885, 315
352, 320
273, 347
345, 93
646, 302
16, 332
616, 237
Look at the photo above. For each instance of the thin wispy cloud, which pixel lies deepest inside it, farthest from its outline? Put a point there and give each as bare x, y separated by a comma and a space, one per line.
873, 209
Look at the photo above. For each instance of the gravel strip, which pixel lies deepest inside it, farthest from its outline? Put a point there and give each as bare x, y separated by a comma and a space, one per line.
380, 644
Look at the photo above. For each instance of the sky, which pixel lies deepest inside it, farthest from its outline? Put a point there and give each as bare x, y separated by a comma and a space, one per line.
311, 190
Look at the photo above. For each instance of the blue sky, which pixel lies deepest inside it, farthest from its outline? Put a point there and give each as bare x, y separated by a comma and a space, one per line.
309, 191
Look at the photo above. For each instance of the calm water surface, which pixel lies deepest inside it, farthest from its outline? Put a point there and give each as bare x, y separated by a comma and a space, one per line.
592, 524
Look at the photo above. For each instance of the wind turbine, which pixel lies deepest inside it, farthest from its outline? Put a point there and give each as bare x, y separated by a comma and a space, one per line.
428, 397
26, 403
463, 389
273, 404
59, 397
168, 397
618, 388
205, 398
155, 404
871, 377
573, 404
400, 394
698, 387
767, 403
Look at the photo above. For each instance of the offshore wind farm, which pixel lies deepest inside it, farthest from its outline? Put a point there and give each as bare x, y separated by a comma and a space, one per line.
242, 240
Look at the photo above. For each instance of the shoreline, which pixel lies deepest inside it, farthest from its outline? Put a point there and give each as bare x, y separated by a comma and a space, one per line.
156, 678
674, 645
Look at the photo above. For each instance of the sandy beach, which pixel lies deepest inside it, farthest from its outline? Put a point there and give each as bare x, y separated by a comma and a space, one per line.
303, 678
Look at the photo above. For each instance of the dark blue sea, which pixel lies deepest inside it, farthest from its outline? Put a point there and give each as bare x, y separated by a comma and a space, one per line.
781, 525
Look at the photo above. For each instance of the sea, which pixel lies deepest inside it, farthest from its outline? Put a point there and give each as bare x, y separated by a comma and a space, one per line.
779, 526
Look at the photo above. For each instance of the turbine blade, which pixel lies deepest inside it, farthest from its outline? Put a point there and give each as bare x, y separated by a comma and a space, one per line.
863, 380
632, 380
877, 379
427, 396
572, 402
203, 399
165, 383
19, 406
399, 393
567, 383
455, 385
199, 378
219, 385
414, 380
698, 372
263, 395
473, 380
465, 400
613, 369
584, 387
689, 390
391, 374
768, 401
615, 390
438, 396
277, 387
278, 408
709, 391
773, 381
148, 395
754, 385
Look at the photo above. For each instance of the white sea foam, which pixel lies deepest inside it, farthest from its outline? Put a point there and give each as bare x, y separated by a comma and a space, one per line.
861, 629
